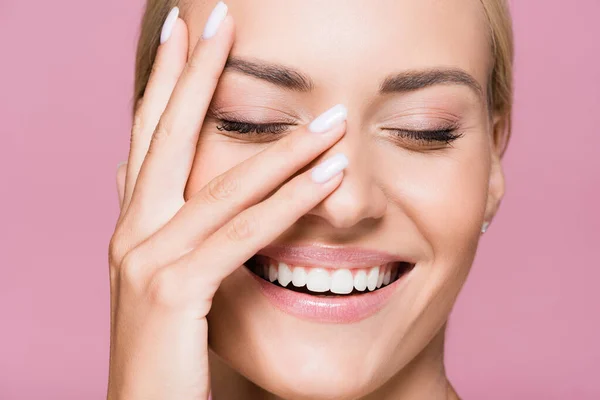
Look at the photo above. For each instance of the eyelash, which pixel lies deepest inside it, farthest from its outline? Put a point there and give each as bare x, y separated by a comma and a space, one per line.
446, 135
246, 128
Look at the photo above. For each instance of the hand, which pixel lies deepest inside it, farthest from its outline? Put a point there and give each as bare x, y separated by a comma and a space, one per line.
168, 256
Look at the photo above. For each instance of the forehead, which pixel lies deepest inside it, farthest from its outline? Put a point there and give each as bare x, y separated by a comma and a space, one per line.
347, 43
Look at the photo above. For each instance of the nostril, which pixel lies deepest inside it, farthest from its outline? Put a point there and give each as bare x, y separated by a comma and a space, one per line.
351, 204
342, 216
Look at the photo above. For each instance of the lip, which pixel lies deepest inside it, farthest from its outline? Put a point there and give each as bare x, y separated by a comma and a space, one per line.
336, 310
330, 257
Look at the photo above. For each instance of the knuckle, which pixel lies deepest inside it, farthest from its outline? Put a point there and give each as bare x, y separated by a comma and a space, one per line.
160, 134
138, 125
221, 188
163, 73
164, 289
130, 273
241, 228
116, 250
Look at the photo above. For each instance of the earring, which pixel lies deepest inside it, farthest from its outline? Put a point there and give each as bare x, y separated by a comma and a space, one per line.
485, 226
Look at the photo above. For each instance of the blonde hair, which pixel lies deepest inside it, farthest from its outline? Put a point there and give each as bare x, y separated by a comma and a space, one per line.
500, 81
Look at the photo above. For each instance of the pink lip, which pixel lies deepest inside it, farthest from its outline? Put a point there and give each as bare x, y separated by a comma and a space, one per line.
330, 257
340, 310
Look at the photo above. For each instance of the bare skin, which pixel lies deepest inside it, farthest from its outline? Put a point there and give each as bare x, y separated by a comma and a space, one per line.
198, 201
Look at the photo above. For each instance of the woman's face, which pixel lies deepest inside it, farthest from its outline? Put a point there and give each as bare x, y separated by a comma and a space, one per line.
398, 66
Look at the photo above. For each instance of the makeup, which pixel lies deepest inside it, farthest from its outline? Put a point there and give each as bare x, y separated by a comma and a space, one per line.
328, 285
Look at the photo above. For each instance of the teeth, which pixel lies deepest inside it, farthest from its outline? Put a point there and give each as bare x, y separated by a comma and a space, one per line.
272, 273
372, 278
387, 277
284, 274
318, 280
360, 280
339, 281
342, 281
299, 277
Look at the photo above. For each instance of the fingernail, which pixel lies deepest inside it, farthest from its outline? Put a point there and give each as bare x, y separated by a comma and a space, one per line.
329, 168
330, 118
167, 28
485, 227
121, 164
217, 16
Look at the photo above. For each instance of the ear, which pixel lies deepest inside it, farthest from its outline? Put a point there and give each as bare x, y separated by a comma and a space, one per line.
496, 182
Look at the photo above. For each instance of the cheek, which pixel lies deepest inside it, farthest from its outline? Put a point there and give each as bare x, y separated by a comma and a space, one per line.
215, 155
444, 195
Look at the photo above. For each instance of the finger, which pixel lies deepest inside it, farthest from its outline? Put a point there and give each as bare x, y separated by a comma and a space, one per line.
255, 228
121, 173
241, 187
170, 60
167, 165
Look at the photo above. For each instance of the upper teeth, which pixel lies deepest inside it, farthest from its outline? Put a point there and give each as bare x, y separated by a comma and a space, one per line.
340, 281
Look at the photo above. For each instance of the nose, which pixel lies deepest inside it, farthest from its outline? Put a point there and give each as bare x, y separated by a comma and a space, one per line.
358, 198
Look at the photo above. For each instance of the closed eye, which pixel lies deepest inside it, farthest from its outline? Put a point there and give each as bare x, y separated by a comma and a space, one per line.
446, 135
443, 136
249, 128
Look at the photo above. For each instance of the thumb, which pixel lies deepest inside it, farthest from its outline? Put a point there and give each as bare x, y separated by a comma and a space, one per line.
121, 172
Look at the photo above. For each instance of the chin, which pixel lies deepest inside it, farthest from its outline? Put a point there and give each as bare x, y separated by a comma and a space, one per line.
323, 377
295, 343
293, 361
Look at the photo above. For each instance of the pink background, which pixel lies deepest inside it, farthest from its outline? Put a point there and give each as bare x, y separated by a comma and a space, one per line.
527, 324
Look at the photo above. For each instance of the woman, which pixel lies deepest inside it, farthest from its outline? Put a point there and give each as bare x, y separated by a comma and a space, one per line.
304, 195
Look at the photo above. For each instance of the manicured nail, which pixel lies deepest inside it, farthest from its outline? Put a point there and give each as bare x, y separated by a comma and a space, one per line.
167, 28
119, 165
329, 168
485, 227
330, 118
217, 16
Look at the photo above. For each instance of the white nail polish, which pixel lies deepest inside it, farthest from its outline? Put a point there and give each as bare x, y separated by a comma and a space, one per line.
217, 16
330, 118
329, 168
485, 227
168, 25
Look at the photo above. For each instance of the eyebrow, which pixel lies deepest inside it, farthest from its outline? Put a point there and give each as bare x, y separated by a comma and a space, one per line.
278, 75
406, 81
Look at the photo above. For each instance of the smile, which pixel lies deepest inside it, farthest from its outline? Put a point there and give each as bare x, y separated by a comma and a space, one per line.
323, 281
327, 285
